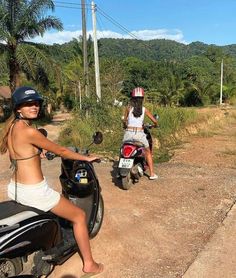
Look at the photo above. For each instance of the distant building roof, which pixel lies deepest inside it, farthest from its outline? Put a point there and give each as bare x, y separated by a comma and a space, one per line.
5, 92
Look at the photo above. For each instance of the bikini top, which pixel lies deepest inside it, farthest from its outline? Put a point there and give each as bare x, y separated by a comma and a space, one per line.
14, 160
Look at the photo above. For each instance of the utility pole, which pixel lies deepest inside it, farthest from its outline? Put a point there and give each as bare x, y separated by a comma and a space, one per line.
96, 60
85, 54
221, 81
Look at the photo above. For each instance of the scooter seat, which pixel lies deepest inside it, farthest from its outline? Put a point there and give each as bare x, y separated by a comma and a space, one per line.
135, 143
12, 212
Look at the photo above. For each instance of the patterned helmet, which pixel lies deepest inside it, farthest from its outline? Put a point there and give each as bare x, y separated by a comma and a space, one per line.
137, 92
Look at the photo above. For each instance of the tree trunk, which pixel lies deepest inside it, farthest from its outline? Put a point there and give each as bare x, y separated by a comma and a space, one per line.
14, 69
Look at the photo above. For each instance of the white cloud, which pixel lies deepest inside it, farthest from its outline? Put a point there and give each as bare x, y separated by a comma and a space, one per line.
57, 37
66, 36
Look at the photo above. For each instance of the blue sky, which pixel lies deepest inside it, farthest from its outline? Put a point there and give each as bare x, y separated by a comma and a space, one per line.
185, 21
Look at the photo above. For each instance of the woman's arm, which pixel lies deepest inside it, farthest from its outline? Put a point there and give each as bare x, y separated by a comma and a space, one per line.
151, 117
36, 138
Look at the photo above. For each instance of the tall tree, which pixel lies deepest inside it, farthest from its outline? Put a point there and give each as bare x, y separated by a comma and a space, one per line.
21, 20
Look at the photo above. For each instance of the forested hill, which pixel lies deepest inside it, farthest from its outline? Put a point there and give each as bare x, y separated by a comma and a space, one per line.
149, 50
157, 49
153, 50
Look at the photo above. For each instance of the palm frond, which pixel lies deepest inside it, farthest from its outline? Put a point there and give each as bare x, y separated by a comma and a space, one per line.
49, 23
31, 58
39, 7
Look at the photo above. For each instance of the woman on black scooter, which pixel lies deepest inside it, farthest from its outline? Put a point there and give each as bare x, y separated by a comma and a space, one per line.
133, 122
28, 186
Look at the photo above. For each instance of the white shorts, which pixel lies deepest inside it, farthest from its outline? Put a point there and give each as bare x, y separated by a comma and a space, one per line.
136, 136
39, 195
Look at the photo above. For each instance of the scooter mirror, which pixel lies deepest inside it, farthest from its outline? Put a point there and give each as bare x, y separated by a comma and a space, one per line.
97, 137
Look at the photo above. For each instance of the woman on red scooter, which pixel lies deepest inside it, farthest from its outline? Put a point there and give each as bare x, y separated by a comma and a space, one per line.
133, 122
28, 185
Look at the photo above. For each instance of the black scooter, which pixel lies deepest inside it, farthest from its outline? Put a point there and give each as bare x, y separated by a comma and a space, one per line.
32, 242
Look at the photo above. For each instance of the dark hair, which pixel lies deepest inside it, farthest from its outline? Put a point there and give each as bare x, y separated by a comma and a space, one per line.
137, 104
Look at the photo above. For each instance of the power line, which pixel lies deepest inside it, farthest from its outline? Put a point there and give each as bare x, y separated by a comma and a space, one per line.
63, 4
69, 3
75, 8
116, 23
120, 26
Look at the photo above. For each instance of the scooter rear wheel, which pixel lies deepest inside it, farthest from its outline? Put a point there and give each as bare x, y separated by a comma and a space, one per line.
10, 267
126, 182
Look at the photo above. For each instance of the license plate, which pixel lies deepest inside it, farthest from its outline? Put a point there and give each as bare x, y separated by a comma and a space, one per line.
125, 163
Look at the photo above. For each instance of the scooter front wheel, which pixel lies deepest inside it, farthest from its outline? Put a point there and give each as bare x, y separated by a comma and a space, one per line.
99, 218
10, 267
126, 182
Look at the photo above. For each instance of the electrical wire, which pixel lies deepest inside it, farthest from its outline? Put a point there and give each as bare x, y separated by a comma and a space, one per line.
61, 4
75, 8
70, 3
116, 23
122, 27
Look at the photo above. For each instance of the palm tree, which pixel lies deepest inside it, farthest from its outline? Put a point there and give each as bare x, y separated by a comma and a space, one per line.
171, 91
21, 20
77, 49
73, 74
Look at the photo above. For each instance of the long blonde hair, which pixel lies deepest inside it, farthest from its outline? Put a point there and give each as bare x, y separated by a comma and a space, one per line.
4, 134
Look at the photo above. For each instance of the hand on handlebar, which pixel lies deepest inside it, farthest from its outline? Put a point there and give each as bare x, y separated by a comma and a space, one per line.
94, 159
150, 126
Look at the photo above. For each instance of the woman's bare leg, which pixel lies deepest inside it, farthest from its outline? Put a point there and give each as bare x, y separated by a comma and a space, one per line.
69, 211
148, 155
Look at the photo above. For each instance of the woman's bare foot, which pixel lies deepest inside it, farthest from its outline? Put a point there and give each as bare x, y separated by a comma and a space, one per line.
92, 270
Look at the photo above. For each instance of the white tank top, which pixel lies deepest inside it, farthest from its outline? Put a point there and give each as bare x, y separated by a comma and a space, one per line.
135, 122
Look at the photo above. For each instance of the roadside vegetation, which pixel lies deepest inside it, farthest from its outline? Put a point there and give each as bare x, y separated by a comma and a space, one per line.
79, 130
177, 78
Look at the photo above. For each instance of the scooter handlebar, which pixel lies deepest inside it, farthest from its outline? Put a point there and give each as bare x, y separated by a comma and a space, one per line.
149, 126
50, 155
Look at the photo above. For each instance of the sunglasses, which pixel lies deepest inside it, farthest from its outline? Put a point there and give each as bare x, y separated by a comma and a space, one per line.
31, 103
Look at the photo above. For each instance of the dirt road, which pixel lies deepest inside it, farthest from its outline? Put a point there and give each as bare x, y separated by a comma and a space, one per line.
158, 228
